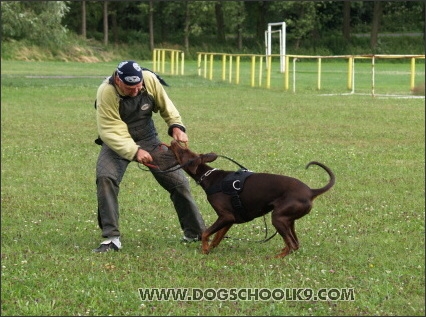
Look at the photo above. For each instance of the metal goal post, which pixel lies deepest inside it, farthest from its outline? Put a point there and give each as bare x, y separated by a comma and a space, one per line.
268, 43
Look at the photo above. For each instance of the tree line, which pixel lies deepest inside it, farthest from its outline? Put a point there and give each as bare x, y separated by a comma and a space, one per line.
237, 24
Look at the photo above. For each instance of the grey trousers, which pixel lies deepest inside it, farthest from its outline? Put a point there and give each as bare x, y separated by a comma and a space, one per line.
110, 169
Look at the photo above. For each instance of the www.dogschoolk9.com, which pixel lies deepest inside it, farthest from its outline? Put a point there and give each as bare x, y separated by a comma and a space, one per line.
246, 294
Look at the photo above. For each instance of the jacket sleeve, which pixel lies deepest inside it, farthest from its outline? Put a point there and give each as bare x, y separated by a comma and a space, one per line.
111, 129
163, 103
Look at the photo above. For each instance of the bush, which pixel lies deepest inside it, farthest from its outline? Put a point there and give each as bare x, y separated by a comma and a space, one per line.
74, 47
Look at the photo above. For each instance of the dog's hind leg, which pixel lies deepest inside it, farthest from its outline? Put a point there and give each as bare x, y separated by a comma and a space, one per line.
219, 236
290, 239
285, 227
293, 234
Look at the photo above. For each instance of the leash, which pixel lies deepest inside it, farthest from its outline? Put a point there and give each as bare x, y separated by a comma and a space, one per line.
233, 161
158, 170
266, 232
266, 239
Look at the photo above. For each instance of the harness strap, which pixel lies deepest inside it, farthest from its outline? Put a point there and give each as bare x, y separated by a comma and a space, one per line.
232, 185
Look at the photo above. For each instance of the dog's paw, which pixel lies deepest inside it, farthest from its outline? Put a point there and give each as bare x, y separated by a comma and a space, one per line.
284, 252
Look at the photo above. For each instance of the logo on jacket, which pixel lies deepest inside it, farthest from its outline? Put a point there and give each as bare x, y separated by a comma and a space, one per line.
145, 107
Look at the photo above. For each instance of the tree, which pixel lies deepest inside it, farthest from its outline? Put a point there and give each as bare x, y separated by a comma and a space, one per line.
301, 18
151, 25
234, 14
220, 22
203, 23
83, 19
112, 12
261, 18
197, 20
346, 24
186, 29
38, 22
375, 23
105, 19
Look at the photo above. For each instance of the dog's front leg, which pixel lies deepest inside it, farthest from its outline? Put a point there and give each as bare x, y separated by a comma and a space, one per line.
220, 226
219, 236
205, 242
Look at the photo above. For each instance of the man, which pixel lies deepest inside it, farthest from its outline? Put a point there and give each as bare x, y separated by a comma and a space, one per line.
125, 103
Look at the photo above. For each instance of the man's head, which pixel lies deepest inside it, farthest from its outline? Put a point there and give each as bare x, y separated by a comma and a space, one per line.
129, 72
129, 77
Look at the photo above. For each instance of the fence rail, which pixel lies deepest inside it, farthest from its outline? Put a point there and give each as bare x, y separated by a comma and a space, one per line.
206, 61
260, 75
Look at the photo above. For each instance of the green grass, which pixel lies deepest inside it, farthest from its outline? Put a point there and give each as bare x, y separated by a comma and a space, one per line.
367, 233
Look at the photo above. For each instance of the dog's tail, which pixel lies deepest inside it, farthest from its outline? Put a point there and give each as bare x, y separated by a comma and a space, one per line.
319, 191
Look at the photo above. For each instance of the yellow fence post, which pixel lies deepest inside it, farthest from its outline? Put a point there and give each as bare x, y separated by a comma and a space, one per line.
237, 71
158, 60
199, 63
224, 67
413, 73
159, 57
182, 71
372, 75
253, 71
230, 68
268, 72
163, 60
172, 62
350, 70
154, 59
205, 65
319, 74
176, 68
177, 61
287, 62
211, 67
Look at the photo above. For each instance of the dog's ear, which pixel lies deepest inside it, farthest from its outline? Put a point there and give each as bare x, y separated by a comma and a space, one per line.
209, 157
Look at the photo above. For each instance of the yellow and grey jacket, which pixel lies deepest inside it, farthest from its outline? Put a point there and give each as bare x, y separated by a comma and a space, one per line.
122, 121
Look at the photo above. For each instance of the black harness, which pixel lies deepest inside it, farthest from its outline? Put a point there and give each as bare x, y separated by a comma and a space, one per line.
232, 185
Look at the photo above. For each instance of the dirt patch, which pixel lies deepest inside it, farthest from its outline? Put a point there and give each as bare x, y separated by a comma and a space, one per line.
419, 90
70, 54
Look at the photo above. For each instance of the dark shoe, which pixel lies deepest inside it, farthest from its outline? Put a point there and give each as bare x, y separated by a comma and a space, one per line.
106, 247
189, 240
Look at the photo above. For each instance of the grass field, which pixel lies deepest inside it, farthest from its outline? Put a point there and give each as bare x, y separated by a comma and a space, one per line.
365, 235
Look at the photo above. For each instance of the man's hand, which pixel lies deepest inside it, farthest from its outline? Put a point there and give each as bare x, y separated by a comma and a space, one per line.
143, 156
180, 136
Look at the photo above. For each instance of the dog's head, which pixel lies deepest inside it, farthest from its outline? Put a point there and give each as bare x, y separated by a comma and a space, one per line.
188, 159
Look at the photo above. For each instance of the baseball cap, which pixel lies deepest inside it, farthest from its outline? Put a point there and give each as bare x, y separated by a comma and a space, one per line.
129, 72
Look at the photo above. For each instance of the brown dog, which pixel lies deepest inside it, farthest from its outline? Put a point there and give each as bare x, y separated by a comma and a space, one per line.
236, 201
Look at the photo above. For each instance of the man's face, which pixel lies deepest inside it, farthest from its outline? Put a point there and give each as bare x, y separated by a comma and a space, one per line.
131, 91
